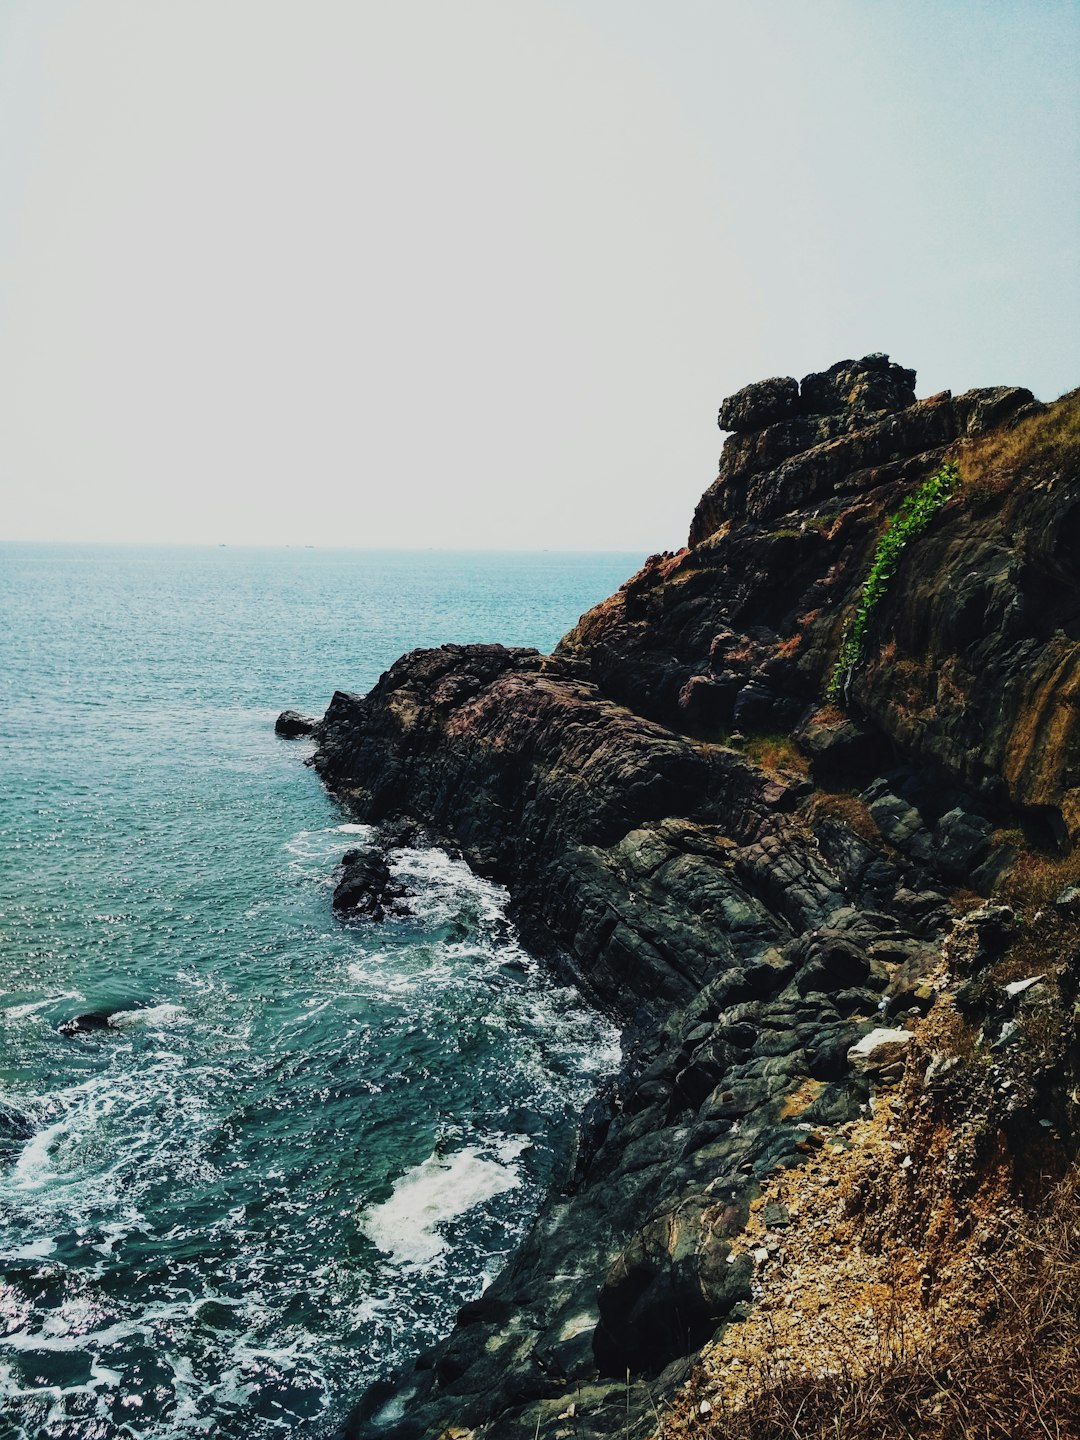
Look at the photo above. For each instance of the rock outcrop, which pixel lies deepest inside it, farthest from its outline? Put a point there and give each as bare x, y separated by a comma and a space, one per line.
748, 877
367, 889
291, 725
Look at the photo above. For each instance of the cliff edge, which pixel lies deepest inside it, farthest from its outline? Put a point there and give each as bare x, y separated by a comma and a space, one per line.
810, 912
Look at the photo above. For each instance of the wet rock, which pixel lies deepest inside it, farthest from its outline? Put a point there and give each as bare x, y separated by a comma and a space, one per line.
90, 1023
291, 724
367, 888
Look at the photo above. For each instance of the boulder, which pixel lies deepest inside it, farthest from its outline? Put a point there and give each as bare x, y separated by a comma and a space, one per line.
291, 724
367, 889
869, 385
901, 824
961, 843
880, 1050
760, 404
840, 748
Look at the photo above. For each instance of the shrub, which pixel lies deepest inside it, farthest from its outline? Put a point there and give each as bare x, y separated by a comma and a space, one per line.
909, 522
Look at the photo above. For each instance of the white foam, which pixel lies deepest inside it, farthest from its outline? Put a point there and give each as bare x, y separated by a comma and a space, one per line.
33, 1167
443, 1186
20, 1012
352, 829
445, 884
35, 1250
151, 1015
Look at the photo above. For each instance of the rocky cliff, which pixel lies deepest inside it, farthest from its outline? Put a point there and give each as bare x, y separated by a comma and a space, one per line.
797, 908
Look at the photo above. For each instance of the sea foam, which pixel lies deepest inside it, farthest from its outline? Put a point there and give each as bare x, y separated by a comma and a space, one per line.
406, 1226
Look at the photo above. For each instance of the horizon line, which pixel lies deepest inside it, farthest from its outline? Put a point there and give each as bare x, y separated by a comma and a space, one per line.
350, 549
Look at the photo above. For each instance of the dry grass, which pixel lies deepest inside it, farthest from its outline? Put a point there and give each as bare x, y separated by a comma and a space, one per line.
848, 808
994, 464
777, 753
1037, 878
1014, 1378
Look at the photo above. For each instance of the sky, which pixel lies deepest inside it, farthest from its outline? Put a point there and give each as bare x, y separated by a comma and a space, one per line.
478, 274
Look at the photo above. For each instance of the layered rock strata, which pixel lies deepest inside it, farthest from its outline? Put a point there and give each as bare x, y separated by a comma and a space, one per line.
755, 883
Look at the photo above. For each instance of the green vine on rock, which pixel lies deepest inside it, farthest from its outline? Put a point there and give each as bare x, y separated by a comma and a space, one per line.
912, 518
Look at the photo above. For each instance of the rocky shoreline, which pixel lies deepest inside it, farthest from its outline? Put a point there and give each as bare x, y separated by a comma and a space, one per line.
758, 884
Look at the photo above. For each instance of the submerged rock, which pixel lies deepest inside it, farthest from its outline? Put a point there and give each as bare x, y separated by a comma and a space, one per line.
91, 1023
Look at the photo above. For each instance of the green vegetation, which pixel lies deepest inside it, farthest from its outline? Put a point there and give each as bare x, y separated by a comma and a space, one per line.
913, 517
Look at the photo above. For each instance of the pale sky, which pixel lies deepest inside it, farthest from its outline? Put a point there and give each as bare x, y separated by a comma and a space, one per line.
476, 273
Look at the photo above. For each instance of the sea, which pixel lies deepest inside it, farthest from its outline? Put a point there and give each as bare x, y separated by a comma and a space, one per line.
296, 1146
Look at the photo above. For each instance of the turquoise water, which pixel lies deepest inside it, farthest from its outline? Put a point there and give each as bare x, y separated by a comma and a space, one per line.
298, 1146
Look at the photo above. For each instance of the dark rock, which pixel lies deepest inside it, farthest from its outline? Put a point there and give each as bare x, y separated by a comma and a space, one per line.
867, 386
840, 750
994, 927
291, 724
665, 1293
749, 926
761, 404
367, 888
987, 409
90, 1023
961, 841
902, 825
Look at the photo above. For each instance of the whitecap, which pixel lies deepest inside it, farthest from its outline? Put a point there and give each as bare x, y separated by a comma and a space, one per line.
21, 1012
150, 1015
34, 1250
33, 1166
406, 1226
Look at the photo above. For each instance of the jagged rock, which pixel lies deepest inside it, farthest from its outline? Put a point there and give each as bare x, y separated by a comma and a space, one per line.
994, 927
665, 1293
989, 408
291, 724
839, 748
748, 927
761, 404
961, 841
879, 1050
902, 825
1019, 987
367, 888
869, 385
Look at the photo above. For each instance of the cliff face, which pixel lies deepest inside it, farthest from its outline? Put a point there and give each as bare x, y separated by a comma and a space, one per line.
757, 882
